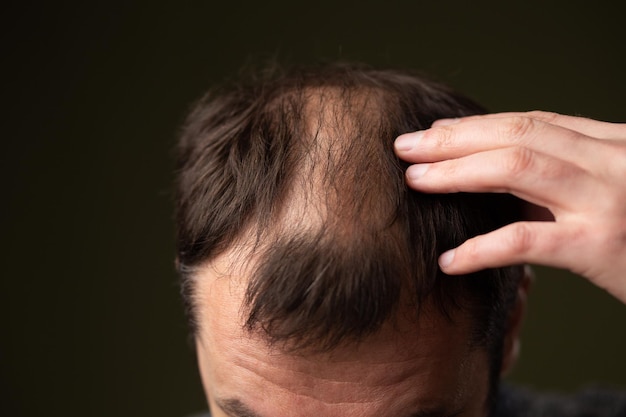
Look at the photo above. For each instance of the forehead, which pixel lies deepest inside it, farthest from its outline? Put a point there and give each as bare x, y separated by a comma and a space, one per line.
409, 365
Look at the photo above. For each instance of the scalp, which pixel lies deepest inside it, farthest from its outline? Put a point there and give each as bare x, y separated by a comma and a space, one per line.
297, 176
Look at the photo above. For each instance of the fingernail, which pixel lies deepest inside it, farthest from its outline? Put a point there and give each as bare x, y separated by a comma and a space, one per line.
446, 122
446, 259
416, 171
408, 141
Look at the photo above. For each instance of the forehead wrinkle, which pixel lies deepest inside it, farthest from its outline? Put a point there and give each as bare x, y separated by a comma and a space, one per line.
285, 370
244, 365
373, 400
372, 397
377, 382
389, 378
386, 398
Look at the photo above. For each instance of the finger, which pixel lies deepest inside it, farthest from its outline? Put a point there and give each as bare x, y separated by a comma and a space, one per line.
549, 244
478, 135
532, 176
544, 243
583, 125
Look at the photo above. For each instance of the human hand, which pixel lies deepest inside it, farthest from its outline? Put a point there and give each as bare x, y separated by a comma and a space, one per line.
574, 167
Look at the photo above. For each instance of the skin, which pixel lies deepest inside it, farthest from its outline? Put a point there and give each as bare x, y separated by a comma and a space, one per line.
407, 368
574, 168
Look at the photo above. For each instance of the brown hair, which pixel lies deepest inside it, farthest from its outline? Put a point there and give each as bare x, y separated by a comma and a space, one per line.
303, 160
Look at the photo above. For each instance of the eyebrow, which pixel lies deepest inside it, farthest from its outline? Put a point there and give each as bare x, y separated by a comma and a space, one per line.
435, 413
236, 408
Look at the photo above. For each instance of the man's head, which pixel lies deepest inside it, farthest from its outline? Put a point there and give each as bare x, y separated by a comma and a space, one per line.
310, 269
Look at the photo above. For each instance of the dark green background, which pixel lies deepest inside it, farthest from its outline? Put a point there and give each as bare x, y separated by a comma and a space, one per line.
93, 94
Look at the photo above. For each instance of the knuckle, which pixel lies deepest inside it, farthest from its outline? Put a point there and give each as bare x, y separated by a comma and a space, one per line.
518, 161
555, 170
443, 137
471, 250
546, 116
517, 128
470, 247
521, 238
445, 172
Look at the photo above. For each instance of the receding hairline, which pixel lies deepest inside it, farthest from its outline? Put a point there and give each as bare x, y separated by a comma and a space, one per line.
338, 131
436, 103
334, 121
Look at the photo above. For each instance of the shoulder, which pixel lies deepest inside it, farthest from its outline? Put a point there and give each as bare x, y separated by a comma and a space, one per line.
589, 402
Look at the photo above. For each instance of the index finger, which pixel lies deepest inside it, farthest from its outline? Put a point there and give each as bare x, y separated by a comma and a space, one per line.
474, 135
589, 127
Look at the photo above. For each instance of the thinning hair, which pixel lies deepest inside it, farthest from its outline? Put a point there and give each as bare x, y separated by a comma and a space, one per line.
299, 164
